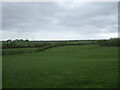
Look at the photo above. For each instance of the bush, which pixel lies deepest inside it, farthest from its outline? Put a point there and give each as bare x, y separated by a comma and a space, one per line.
110, 42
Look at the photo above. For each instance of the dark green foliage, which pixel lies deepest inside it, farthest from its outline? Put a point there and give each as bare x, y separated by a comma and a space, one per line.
110, 42
38, 44
43, 45
9, 40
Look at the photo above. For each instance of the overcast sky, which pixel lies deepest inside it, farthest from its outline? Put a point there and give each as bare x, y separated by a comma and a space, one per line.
59, 20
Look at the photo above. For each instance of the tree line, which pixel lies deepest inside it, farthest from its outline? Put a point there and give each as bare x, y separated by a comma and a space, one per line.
43, 45
37, 44
19, 43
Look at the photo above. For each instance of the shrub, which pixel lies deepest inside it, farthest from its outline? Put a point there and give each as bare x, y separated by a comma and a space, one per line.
110, 42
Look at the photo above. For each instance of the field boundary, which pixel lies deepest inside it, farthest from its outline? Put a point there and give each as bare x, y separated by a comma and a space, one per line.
41, 49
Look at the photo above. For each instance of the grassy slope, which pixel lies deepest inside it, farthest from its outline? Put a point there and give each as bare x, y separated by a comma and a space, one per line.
68, 66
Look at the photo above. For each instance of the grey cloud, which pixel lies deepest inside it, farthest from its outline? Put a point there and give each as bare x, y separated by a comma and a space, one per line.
78, 19
98, 15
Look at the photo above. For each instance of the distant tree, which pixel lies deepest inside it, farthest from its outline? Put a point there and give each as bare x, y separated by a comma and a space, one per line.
16, 40
26, 40
20, 40
9, 40
110, 42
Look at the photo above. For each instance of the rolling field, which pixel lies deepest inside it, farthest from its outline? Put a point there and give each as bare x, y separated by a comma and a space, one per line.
88, 66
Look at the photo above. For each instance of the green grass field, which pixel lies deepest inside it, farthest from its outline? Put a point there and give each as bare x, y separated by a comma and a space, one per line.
88, 66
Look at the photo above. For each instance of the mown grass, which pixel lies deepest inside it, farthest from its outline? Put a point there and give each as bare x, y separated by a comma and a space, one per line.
88, 66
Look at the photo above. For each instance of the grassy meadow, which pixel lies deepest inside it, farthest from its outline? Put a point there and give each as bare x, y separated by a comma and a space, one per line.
80, 66
59, 44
